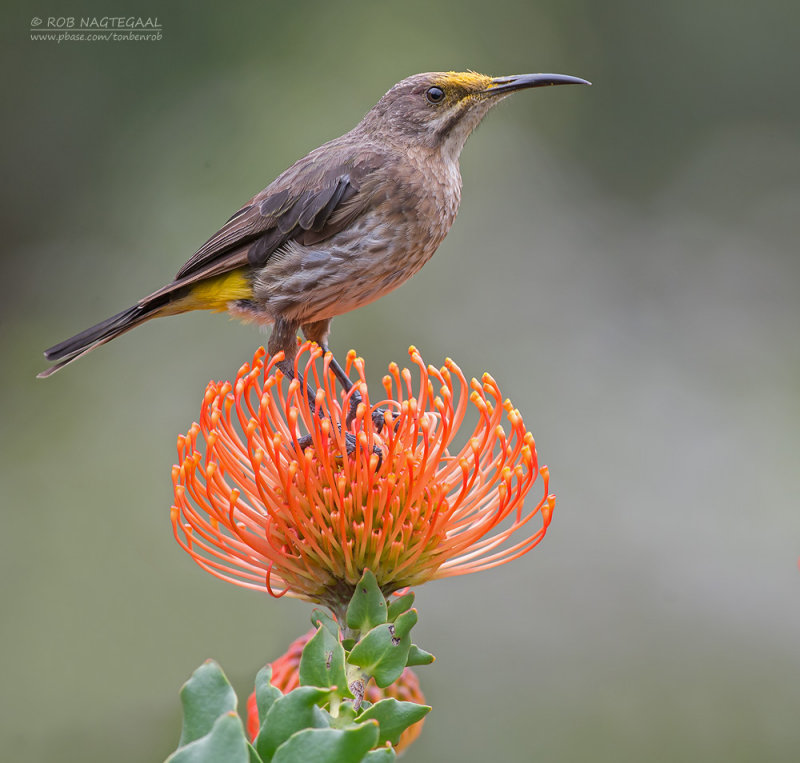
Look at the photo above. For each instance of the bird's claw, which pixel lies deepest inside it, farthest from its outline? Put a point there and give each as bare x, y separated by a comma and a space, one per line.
350, 444
378, 415
306, 441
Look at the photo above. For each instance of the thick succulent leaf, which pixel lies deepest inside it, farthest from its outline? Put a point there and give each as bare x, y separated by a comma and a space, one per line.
322, 663
367, 607
417, 656
329, 745
226, 741
321, 617
290, 713
266, 693
381, 654
345, 717
405, 622
205, 697
381, 755
394, 717
398, 605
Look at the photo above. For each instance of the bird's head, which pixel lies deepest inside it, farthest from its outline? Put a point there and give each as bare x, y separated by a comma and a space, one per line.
440, 109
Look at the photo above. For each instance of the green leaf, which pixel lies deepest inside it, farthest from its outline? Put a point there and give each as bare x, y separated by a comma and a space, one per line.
290, 713
405, 622
394, 717
398, 605
417, 656
329, 745
321, 617
367, 608
225, 741
381, 654
345, 717
322, 663
266, 693
205, 697
381, 755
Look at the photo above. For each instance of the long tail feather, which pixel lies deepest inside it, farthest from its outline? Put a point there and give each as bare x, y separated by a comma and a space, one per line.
79, 345
210, 289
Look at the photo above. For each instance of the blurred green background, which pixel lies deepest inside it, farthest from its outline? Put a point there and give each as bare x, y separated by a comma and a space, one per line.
625, 263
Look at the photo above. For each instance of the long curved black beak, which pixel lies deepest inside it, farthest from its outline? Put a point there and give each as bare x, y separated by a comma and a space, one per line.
504, 85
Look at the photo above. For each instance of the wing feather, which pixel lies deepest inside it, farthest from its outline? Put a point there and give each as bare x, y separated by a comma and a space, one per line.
308, 203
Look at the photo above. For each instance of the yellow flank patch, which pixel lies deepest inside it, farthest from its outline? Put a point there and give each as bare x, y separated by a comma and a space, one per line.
215, 293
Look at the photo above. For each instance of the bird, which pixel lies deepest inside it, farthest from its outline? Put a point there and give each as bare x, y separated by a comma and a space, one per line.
344, 225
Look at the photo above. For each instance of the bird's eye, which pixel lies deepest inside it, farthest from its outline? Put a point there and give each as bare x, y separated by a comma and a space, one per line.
434, 94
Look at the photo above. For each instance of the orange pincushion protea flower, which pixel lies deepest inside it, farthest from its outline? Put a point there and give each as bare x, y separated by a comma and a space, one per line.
263, 505
286, 676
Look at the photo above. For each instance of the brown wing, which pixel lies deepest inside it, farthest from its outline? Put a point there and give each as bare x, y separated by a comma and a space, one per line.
314, 199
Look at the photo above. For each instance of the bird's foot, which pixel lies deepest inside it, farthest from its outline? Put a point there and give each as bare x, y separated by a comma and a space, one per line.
378, 416
306, 441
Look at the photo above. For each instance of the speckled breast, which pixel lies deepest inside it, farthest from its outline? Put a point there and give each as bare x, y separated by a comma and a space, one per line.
383, 247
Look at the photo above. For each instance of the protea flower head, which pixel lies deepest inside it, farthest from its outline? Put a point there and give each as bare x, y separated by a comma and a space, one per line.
286, 677
277, 491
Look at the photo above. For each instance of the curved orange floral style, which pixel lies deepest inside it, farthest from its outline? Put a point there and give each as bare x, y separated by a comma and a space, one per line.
277, 491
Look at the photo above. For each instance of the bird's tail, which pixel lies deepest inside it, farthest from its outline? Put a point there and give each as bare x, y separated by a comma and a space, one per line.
80, 344
203, 291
